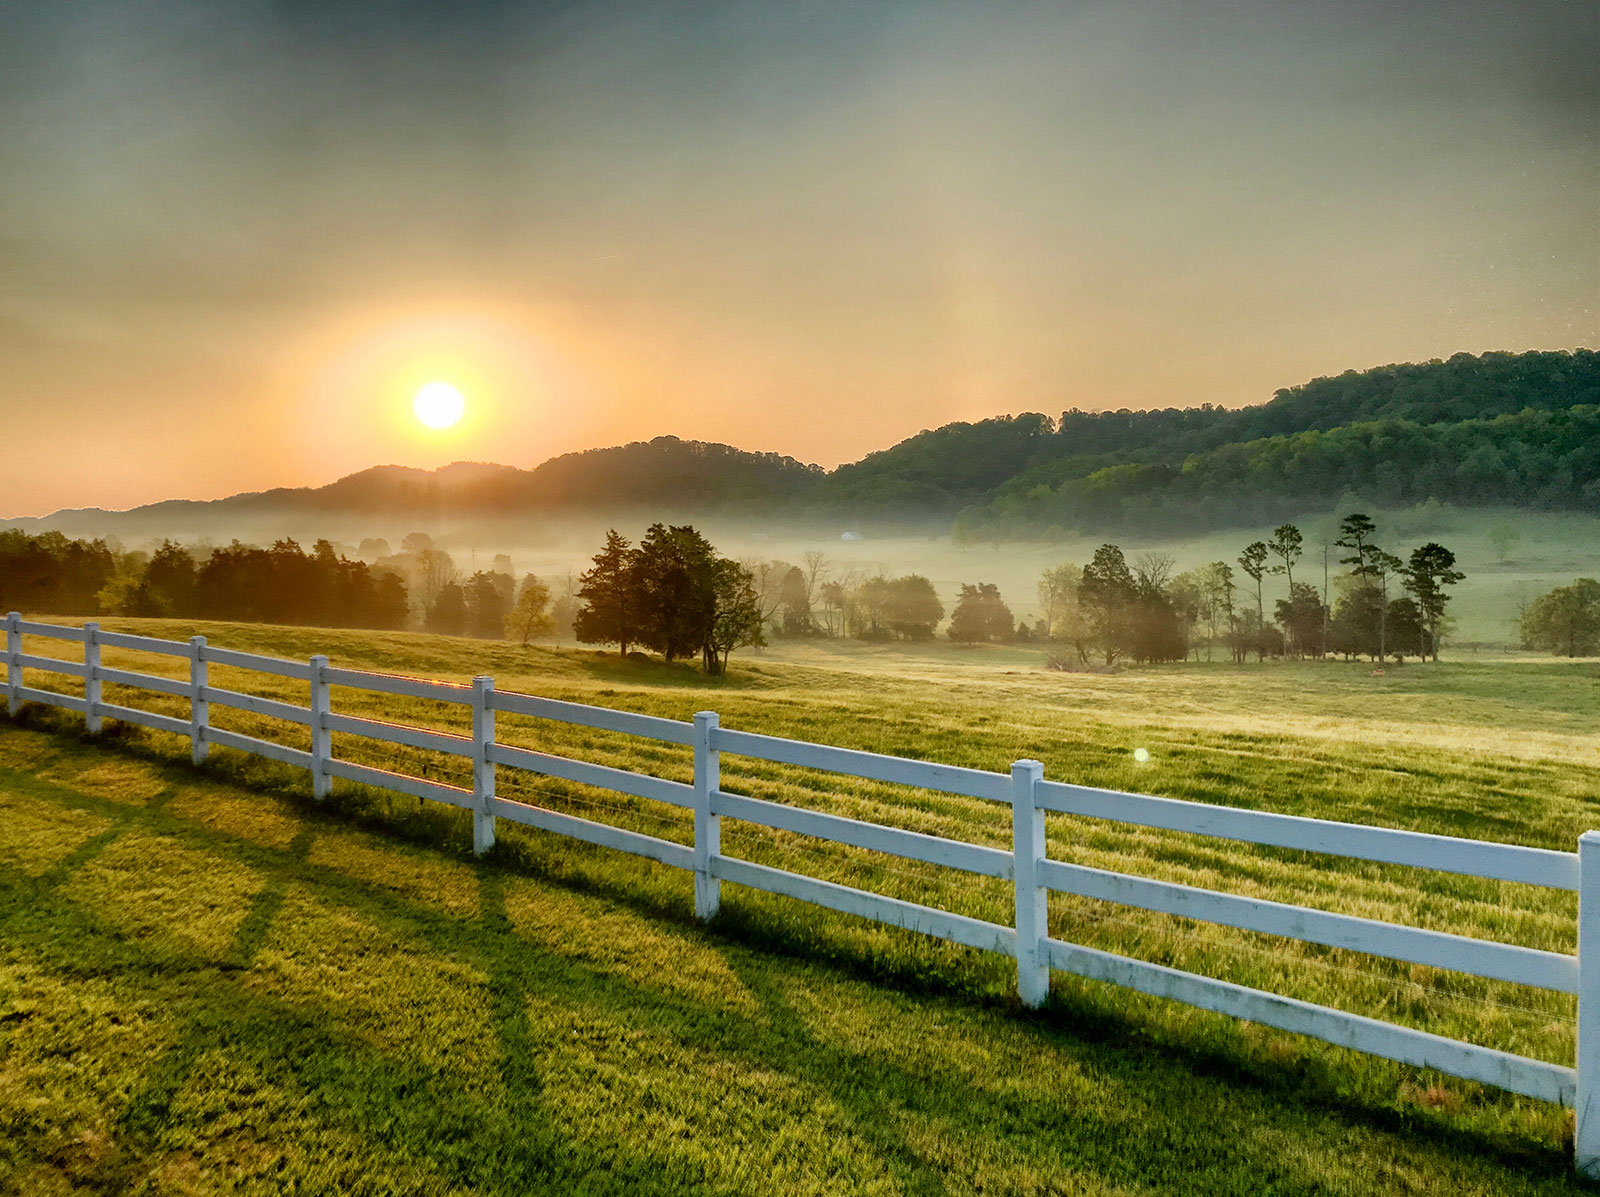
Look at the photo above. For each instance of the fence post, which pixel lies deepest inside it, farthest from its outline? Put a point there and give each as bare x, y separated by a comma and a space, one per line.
1027, 836
1586, 1132
13, 666
199, 708
482, 766
91, 677
321, 737
707, 826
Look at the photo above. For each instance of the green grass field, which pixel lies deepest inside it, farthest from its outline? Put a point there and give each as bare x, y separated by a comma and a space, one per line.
211, 983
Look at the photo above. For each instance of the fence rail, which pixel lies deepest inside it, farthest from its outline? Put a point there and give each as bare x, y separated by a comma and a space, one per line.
1027, 866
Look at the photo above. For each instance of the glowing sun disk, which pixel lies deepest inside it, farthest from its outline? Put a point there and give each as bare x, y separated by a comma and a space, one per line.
438, 405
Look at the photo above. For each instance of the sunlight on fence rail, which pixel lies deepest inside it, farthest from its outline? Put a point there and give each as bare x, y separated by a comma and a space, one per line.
1028, 866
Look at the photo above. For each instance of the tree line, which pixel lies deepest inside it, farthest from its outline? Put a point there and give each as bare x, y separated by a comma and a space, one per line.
418, 586
1381, 606
674, 594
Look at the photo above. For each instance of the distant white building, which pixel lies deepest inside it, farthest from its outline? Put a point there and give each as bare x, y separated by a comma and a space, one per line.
851, 536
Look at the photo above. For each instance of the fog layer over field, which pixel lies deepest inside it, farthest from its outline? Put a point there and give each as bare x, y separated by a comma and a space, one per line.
1508, 556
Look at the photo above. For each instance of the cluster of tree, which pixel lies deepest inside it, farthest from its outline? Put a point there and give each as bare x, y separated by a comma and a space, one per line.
1111, 610
671, 594
280, 584
810, 600
488, 604
1565, 620
51, 573
981, 615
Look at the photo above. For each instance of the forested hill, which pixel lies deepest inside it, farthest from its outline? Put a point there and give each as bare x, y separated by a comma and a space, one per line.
1506, 429
687, 476
1518, 429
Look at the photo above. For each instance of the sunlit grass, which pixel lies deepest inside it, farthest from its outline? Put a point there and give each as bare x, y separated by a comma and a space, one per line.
343, 996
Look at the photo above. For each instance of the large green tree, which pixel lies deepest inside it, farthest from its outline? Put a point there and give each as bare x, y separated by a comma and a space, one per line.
676, 580
1565, 620
735, 616
609, 594
1430, 570
981, 615
1108, 591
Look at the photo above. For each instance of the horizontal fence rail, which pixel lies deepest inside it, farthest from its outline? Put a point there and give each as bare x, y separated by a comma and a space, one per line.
1027, 866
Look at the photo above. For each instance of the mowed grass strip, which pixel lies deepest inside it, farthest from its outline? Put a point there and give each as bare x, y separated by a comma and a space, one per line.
169, 873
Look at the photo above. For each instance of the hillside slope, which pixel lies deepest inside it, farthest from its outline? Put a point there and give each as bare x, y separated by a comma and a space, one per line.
1498, 428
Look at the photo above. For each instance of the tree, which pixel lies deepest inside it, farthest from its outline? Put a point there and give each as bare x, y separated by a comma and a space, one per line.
609, 593
1354, 626
1566, 620
1108, 590
391, 606
870, 609
1216, 582
833, 595
170, 578
794, 604
1403, 620
1367, 562
815, 566
735, 616
912, 608
981, 615
1157, 623
489, 599
1383, 566
1153, 571
127, 592
447, 614
1503, 539
434, 570
1188, 595
564, 605
530, 617
768, 578
1303, 617
1431, 569
1058, 594
1254, 562
1286, 544
676, 589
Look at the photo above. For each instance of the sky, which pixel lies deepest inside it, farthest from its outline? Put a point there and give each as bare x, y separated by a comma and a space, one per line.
236, 237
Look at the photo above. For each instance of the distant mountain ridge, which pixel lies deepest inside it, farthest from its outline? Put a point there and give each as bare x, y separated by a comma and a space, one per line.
1520, 429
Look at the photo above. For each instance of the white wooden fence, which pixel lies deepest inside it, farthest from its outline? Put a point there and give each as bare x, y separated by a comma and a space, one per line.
1030, 797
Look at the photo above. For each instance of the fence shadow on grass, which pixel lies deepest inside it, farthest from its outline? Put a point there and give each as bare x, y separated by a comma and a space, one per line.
444, 1122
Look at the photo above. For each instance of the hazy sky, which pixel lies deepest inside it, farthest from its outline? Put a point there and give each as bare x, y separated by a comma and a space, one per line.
235, 237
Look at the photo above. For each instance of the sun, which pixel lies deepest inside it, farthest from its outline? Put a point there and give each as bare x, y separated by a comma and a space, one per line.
438, 405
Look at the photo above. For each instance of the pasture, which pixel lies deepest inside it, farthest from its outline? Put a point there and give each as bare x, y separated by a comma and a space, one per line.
212, 983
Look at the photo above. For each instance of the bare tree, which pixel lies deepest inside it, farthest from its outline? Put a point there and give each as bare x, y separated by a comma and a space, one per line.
434, 571
816, 565
1153, 571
